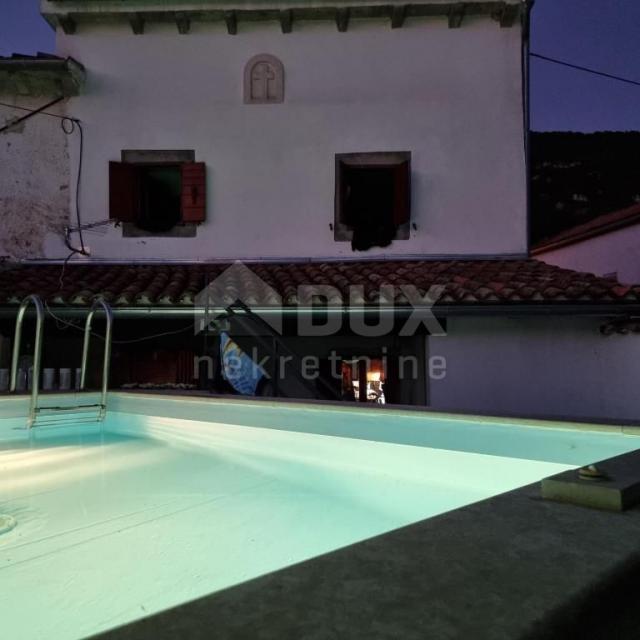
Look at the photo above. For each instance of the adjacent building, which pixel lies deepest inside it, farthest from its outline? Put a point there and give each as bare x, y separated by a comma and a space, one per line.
608, 245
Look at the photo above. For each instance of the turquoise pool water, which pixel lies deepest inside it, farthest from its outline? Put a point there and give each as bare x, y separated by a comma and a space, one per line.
170, 499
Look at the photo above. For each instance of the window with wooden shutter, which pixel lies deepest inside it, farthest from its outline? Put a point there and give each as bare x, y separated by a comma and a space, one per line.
372, 198
194, 192
157, 193
124, 189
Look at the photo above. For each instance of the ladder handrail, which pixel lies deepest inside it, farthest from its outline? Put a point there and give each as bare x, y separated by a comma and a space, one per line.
97, 303
37, 351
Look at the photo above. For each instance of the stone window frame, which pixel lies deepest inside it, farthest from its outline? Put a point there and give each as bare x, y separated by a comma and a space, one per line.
341, 232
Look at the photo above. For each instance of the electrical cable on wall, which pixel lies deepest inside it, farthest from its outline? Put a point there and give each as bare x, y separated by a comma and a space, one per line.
34, 111
69, 126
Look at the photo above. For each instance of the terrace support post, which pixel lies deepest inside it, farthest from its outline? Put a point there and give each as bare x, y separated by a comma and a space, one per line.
362, 380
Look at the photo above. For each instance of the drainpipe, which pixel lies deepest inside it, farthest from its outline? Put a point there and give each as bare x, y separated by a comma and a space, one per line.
526, 105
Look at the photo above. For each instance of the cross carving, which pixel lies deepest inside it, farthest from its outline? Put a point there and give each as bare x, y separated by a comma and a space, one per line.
262, 82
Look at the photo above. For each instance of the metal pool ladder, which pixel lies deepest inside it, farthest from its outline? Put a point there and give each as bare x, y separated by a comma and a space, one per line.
40, 415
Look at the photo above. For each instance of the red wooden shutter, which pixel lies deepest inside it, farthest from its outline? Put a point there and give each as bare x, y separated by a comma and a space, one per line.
194, 192
123, 191
402, 193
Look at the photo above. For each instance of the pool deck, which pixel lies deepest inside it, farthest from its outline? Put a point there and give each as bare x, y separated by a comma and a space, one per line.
507, 568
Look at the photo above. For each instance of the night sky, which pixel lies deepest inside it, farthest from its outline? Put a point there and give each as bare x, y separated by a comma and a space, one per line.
603, 34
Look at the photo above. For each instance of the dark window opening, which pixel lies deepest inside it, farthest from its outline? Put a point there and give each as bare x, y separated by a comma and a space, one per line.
372, 205
368, 206
160, 191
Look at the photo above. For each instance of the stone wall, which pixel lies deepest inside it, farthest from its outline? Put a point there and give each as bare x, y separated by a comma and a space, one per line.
34, 180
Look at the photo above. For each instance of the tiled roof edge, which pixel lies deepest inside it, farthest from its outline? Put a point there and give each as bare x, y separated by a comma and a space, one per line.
601, 225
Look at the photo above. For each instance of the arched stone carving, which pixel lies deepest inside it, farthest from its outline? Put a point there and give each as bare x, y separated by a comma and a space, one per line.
263, 80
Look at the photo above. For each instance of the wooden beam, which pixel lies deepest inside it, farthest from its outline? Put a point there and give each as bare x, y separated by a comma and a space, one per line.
137, 23
183, 22
286, 20
456, 15
67, 24
342, 19
231, 20
508, 14
398, 14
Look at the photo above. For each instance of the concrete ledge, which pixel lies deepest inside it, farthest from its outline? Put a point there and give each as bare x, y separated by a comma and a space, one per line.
605, 611
503, 569
618, 490
37, 77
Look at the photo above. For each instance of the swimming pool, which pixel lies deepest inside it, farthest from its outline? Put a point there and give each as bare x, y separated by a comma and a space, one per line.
172, 498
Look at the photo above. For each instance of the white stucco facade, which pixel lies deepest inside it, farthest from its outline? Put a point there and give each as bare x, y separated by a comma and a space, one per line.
452, 97
537, 367
613, 253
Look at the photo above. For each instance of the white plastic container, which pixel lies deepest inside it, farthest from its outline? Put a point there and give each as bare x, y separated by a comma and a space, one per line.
48, 379
64, 379
21, 380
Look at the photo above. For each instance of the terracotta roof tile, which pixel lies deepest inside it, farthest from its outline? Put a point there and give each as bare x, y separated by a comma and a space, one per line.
487, 282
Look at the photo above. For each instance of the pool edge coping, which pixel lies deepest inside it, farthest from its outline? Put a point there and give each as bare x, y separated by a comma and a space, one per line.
626, 427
